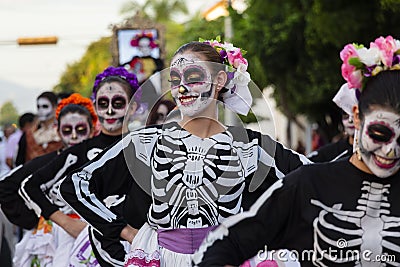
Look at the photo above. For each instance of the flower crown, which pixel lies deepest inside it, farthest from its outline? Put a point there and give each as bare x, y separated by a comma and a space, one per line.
135, 40
231, 56
77, 99
122, 73
238, 97
360, 63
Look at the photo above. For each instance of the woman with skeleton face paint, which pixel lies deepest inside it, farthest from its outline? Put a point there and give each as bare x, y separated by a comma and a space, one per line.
112, 91
184, 178
342, 213
43, 138
76, 119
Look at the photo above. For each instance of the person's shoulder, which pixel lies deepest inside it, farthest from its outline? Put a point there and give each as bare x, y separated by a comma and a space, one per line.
243, 134
320, 170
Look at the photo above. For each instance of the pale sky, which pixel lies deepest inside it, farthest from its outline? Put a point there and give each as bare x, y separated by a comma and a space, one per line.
26, 71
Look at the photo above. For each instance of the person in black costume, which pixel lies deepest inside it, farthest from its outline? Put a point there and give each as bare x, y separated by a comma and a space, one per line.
184, 177
76, 119
342, 213
112, 91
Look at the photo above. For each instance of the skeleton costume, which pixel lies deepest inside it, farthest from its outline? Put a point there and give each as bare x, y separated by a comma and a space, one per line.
47, 243
190, 181
40, 189
182, 184
342, 213
308, 212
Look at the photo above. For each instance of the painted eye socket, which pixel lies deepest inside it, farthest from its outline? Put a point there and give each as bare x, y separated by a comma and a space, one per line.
66, 130
81, 130
175, 79
102, 103
42, 106
194, 76
118, 103
380, 133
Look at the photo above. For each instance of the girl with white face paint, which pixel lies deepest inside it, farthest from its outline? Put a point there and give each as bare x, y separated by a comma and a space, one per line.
378, 136
111, 102
112, 91
76, 119
336, 209
184, 178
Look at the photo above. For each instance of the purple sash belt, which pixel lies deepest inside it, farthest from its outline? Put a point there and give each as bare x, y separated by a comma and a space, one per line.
183, 240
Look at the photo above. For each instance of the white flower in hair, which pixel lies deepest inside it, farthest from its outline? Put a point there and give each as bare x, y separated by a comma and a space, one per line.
241, 78
238, 97
369, 56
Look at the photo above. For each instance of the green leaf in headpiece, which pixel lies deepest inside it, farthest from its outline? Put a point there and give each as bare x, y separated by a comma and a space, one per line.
355, 61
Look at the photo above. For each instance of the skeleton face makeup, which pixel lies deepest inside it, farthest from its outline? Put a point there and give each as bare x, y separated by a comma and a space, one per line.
44, 109
380, 142
111, 104
191, 84
74, 128
348, 124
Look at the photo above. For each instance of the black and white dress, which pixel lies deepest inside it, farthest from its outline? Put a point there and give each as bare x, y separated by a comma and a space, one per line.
40, 189
176, 180
326, 214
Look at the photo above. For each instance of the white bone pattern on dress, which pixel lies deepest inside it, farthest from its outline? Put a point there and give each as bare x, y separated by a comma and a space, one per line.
371, 222
195, 182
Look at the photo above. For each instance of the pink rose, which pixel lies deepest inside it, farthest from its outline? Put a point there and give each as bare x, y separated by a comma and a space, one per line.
235, 58
387, 47
347, 70
352, 76
347, 52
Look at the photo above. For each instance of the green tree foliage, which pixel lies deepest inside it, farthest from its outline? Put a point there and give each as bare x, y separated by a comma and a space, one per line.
156, 10
8, 113
80, 75
294, 45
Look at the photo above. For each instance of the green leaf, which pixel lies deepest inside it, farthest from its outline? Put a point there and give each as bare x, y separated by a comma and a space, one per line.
355, 61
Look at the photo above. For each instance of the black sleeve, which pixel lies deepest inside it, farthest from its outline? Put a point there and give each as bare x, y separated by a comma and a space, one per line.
36, 189
274, 162
86, 188
12, 204
332, 151
286, 160
269, 222
20, 159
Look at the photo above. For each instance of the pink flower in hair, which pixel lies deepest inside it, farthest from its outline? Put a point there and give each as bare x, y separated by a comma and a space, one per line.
235, 58
360, 63
348, 52
352, 76
387, 47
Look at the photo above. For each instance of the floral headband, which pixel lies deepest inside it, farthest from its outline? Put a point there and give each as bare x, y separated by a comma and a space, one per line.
360, 63
238, 97
122, 73
77, 99
135, 40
